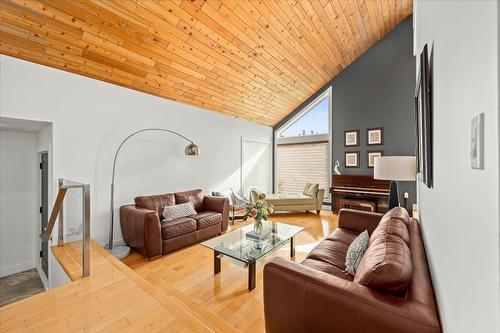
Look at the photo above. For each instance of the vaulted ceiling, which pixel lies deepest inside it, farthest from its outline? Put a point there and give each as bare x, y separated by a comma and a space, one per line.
252, 59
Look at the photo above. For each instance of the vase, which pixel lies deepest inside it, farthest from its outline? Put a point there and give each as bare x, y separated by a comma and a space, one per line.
257, 226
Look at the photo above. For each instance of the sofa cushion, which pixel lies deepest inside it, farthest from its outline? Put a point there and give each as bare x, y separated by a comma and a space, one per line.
398, 213
195, 196
177, 227
343, 235
311, 190
177, 211
327, 268
391, 226
207, 219
155, 202
332, 252
279, 199
386, 265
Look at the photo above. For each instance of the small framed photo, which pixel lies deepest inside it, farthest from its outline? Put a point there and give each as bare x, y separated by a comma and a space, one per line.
476, 141
352, 159
370, 157
351, 138
375, 136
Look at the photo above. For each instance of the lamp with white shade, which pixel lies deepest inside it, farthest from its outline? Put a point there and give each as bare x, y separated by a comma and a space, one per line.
395, 168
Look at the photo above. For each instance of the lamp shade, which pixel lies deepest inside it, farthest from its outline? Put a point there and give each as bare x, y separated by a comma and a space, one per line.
192, 150
395, 168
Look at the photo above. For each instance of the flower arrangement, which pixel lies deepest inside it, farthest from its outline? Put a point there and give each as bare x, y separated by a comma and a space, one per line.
259, 210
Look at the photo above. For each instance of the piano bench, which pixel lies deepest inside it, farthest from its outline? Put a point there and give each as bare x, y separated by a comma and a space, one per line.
361, 204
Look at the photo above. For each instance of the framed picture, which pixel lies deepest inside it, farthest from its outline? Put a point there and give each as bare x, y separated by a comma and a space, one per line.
423, 121
352, 159
375, 136
476, 141
351, 138
370, 157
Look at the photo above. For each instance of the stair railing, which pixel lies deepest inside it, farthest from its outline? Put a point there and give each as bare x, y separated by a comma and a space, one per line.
58, 210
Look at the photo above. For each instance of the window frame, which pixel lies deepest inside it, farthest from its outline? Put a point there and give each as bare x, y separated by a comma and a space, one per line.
327, 93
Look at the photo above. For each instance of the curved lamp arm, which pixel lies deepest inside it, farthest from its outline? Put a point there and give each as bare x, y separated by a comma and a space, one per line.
110, 244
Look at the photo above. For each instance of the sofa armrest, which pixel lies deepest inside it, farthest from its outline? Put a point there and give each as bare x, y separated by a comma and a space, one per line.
141, 230
320, 196
359, 220
299, 299
220, 205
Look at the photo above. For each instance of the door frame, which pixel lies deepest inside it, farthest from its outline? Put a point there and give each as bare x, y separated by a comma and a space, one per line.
43, 275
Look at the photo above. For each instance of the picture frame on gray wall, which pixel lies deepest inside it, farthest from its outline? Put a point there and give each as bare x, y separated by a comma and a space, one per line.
370, 155
423, 121
351, 138
351, 159
375, 136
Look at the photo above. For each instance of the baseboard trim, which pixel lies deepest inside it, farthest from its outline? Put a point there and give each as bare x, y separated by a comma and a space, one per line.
13, 269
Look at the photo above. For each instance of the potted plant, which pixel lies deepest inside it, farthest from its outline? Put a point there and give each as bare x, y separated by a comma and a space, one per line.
259, 210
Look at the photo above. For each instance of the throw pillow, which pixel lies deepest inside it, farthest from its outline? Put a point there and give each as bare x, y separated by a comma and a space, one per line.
311, 190
177, 211
355, 252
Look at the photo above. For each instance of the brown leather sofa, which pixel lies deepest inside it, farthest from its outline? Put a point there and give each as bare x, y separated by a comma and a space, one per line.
145, 231
390, 292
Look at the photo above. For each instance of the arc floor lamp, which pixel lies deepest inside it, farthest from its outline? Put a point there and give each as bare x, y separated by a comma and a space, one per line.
190, 150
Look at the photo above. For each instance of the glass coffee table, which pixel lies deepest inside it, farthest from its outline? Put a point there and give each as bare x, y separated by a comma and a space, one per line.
236, 245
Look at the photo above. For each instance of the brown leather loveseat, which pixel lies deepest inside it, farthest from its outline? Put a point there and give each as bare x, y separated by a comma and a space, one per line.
390, 292
145, 231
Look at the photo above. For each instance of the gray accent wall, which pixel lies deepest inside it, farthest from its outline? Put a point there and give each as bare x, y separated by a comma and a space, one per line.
377, 91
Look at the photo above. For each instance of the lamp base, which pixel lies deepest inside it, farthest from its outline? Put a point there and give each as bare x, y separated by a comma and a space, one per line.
393, 195
120, 252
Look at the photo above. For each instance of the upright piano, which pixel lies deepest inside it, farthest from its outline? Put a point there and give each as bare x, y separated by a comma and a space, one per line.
363, 189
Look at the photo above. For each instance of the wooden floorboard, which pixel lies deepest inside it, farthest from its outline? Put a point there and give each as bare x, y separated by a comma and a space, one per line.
112, 298
187, 274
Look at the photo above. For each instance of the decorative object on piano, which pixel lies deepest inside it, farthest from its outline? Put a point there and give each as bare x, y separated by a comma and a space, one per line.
406, 195
370, 157
359, 192
351, 138
395, 168
476, 139
375, 136
423, 117
352, 159
336, 170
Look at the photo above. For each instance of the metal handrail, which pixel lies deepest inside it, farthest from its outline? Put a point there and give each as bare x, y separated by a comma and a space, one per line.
58, 210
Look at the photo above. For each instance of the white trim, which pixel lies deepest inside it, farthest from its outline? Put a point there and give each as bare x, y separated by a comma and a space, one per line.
45, 281
13, 269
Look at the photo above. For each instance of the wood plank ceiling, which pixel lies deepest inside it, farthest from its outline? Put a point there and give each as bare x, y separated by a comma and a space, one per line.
256, 60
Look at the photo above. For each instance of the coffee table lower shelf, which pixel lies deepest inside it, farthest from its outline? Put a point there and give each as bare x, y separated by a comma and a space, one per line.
251, 265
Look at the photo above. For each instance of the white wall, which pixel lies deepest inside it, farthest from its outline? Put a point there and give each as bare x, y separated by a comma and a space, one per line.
90, 118
460, 215
19, 216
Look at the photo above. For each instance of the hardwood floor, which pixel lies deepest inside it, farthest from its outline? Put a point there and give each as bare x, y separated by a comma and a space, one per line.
187, 274
112, 299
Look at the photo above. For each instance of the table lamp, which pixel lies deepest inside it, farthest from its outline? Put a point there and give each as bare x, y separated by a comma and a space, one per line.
395, 168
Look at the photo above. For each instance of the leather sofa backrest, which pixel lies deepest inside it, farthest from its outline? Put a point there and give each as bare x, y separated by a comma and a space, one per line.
386, 265
195, 196
391, 226
398, 213
155, 202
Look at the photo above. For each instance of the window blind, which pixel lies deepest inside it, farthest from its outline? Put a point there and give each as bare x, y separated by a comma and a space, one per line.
298, 164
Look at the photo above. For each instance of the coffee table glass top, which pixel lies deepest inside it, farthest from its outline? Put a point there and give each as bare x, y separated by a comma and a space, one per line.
237, 245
